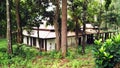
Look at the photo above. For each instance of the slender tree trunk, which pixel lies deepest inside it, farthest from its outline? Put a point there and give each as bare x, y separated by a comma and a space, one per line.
38, 38
75, 19
9, 41
64, 28
98, 33
57, 26
84, 38
84, 26
76, 32
100, 21
19, 29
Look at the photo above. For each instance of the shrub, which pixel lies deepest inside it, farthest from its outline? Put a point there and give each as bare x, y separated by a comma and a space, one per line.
55, 54
71, 54
25, 51
107, 53
20, 57
78, 50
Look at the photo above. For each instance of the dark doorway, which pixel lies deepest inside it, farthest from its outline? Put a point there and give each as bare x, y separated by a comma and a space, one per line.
34, 41
80, 41
45, 45
90, 39
41, 43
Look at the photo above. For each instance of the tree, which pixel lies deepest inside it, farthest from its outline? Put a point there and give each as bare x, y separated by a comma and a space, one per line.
81, 14
84, 19
19, 27
76, 16
56, 25
99, 19
8, 26
54, 18
64, 28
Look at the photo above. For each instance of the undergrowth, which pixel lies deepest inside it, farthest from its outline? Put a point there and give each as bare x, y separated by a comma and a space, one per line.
28, 57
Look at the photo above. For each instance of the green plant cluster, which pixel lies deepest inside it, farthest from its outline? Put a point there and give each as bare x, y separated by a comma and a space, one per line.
52, 54
22, 56
29, 57
107, 53
71, 54
55, 54
25, 51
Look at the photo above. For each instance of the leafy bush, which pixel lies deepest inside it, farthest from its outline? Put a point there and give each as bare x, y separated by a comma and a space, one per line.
3, 49
4, 58
71, 54
55, 54
107, 53
78, 50
25, 51
21, 55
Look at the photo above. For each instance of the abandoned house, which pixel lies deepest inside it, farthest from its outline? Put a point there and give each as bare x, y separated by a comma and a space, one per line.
47, 37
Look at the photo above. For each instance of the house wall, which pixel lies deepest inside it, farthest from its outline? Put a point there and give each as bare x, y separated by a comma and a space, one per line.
71, 41
37, 43
51, 44
85, 39
25, 40
29, 41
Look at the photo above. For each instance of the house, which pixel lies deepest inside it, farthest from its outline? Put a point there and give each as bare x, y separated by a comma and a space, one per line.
47, 37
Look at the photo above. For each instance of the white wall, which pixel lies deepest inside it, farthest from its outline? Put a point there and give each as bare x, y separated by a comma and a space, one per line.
50, 44
25, 40
85, 39
71, 41
37, 43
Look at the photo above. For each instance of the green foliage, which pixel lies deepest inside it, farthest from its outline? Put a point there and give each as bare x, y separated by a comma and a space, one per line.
32, 58
55, 54
71, 25
76, 64
107, 4
21, 55
78, 50
25, 51
2, 18
52, 54
71, 54
107, 53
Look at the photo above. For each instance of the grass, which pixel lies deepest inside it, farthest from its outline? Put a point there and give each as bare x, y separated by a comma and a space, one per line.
52, 59
3, 43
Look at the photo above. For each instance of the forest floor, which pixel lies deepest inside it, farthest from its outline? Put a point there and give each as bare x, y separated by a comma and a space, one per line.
51, 59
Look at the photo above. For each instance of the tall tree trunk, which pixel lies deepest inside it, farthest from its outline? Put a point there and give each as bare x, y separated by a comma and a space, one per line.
39, 43
19, 29
76, 32
75, 19
98, 33
64, 28
9, 41
84, 38
99, 20
57, 26
84, 25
